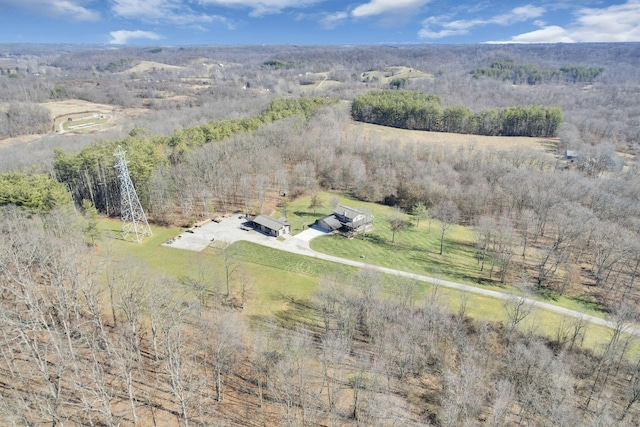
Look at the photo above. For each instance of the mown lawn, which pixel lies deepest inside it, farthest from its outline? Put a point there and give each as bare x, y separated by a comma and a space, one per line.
282, 282
416, 249
276, 277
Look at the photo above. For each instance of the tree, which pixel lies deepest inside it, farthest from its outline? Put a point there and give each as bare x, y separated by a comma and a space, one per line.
90, 214
517, 307
222, 338
284, 205
419, 211
231, 265
447, 214
334, 202
397, 223
315, 202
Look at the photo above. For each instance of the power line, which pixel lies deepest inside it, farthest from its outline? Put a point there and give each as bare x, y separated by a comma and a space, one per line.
134, 221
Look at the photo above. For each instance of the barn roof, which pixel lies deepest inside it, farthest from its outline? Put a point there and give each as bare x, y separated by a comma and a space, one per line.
269, 222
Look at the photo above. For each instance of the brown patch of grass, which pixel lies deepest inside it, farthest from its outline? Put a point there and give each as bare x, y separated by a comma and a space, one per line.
145, 66
74, 106
450, 141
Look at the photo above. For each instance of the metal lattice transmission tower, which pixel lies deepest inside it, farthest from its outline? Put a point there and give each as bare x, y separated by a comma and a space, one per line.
134, 221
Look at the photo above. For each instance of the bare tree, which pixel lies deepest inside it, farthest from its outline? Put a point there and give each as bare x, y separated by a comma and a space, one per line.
517, 308
447, 214
397, 224
222, 338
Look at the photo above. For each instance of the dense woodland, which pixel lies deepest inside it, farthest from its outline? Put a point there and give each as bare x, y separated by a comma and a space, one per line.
420, 111
225, 128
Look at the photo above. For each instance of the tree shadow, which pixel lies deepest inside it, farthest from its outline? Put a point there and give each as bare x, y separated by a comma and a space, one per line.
299, 313
311, 214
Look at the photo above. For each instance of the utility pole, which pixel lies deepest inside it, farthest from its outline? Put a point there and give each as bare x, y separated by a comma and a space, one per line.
134, 221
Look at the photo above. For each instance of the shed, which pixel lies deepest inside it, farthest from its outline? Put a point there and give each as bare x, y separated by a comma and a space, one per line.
271, 226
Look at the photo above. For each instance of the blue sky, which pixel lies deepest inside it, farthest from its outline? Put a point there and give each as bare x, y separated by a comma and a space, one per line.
186, 22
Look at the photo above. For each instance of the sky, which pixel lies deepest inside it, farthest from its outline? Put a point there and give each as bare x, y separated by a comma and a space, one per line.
317, 22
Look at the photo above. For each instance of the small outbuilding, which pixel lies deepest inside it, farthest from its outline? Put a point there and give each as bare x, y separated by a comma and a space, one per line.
271, 226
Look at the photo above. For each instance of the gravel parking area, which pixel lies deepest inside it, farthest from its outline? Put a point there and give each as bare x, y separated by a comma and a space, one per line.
232, 229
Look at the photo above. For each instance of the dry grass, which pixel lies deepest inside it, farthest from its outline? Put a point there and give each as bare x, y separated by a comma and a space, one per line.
145, 66
74, 106
449, 141
390, 73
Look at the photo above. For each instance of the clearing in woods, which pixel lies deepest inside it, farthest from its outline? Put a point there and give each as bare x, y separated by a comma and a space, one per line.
449, 141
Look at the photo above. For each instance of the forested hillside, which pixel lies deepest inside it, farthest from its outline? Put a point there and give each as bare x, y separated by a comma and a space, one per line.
529, 151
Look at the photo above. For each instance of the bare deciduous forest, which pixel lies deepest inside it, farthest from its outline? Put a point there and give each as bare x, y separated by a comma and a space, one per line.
90, 338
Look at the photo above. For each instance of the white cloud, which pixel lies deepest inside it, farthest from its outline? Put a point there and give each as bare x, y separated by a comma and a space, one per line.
76, 11
59, 8
550, 34
151, 9
263, 7
616, 23
123, 36
332, 20
377, 7
519, 14
173, 11
441, 26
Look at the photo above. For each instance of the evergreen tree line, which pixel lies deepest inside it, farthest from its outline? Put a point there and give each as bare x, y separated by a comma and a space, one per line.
89, 174
421, 111
37, 193
508, 70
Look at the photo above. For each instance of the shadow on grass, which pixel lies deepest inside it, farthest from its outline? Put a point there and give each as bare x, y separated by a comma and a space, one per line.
589, 303
300, 312
112, 232
376, 240
311, 214
441, 267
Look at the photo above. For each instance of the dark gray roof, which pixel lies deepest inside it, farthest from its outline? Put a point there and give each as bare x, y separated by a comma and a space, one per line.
347, 212
332, 222
269, 222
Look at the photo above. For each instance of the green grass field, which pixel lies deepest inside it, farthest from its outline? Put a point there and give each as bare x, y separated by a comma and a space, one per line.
279, 279
416, 249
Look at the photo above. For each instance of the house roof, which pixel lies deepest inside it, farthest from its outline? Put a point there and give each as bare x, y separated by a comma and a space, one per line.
269, 222
332, 222
347, 212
